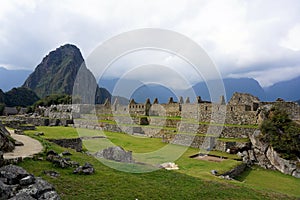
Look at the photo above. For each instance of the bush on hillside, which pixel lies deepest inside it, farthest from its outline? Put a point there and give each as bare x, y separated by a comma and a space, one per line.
282, 133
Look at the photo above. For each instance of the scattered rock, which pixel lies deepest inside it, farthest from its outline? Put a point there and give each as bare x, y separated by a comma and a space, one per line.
86, 169
214, 172
61, 162
51, 152
52, 174
169, 166
115, 153
57, 160
74, 163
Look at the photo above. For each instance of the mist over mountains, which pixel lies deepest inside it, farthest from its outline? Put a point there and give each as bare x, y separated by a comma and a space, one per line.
57, 72
287, 90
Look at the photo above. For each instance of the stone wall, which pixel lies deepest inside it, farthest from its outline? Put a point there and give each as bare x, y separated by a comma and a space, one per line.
235, 171
224, 145
16, 122
73, 143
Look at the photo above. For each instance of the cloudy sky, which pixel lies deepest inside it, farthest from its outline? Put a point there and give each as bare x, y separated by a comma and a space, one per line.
254, 38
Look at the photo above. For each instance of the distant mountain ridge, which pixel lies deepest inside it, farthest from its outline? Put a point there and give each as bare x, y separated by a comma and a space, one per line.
12, 78
231, 85
244, 85
288, 90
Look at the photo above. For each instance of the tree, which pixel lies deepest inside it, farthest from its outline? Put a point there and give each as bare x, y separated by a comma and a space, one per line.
2, 107
282, 133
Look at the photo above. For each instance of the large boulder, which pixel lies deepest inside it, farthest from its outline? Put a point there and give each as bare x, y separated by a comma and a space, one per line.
17, 183
115, 153
259, 149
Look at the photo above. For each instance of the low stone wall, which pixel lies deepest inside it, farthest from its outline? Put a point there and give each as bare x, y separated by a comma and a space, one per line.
25, 127
235, 171
19, 121
73, 143
13, 123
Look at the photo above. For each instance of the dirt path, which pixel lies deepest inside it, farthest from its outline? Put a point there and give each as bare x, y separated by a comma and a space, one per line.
31, 147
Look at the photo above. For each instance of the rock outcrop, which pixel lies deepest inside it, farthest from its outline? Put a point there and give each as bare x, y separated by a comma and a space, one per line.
265, 156
16, 183
285, 166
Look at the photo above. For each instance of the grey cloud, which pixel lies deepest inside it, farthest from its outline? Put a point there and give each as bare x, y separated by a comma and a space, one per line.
240, 36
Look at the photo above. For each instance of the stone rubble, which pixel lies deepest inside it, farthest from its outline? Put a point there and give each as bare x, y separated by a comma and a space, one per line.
86, 169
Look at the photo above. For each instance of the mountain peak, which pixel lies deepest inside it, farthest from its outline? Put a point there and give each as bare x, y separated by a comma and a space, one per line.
57, 71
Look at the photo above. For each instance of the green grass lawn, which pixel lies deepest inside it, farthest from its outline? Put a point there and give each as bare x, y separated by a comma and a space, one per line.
271, 180
60, 132
192, 181
108, 183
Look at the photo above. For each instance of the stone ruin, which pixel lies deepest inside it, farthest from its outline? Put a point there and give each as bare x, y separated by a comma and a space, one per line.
241, 116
